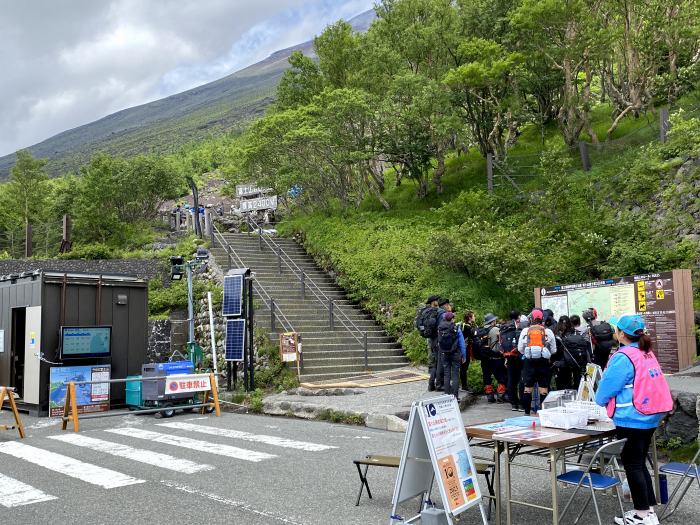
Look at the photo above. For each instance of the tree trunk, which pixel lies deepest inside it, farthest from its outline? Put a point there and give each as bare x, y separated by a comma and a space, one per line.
439, 170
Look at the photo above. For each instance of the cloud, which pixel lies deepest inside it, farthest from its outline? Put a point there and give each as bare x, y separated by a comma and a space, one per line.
67, 63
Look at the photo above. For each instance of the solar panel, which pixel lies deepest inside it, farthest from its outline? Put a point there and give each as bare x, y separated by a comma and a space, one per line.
235, 339
233, 294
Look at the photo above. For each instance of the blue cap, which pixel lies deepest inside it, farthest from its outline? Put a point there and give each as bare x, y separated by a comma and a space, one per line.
631, 324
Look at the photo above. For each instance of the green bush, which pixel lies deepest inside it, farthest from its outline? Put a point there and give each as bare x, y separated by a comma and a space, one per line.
92, 252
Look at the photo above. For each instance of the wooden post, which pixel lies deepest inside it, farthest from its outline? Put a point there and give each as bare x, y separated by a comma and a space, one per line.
664, 125
9, 392
66, 241
215, 393
28, 251
585, 159
70, 409
489, 172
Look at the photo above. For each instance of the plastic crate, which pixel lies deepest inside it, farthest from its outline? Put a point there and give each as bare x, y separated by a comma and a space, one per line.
593, 410
133, 392
563, 417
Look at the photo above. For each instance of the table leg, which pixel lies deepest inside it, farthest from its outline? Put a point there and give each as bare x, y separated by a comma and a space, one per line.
497, 481
553, 458
509, 507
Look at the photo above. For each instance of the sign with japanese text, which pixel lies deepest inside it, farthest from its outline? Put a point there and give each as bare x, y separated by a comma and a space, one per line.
261, 203
91, 398
288, 347
245, 190
187, 383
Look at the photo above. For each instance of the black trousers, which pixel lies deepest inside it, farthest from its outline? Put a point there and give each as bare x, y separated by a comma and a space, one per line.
515, 368
495, 368
463, 374
634, 456
450, 363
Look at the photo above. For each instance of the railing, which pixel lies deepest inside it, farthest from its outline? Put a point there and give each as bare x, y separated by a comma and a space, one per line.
275, 312
327, 302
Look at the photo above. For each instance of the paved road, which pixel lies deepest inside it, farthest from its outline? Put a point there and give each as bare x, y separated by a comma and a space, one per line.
236, 469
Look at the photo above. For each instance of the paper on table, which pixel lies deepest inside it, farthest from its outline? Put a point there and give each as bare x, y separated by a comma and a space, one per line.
525, 435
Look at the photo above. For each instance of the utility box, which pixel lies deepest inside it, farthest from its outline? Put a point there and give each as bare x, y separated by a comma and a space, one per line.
155, 390
36, 308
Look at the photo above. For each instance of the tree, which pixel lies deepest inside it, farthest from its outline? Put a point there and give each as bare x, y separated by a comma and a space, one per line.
27, 186
300, 83
337, 49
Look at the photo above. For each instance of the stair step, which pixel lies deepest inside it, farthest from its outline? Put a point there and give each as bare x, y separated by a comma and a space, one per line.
350, 370
372, 361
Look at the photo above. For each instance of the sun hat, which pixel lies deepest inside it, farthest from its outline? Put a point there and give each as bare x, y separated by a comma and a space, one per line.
432, 298
443, 302
631, 324
489, 318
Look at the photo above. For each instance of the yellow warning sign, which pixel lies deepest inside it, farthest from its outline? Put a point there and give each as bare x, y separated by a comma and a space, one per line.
659, 294
641, 295
640, 285
642, 306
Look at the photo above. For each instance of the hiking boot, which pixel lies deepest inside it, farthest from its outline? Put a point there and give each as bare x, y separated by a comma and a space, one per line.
631, 518
431, 388
491, 398
516, 408
501, 398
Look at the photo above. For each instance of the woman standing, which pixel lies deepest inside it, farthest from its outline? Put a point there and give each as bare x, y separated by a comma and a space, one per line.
637, 396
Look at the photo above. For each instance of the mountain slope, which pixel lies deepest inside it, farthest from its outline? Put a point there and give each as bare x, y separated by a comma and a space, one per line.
223, 105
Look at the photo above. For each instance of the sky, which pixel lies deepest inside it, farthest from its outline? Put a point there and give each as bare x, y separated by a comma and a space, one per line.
64, 63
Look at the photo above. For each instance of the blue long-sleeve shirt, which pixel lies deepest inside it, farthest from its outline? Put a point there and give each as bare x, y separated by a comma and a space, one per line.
616, 381
462, 345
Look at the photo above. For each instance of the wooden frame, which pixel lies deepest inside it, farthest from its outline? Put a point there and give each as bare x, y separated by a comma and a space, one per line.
9, 393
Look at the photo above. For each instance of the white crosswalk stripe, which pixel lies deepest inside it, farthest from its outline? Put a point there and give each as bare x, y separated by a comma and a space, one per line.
135, 454
192, 444
247, 436
68, 466
14, 493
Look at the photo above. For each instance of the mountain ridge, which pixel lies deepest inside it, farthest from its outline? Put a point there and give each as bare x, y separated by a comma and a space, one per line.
221, 106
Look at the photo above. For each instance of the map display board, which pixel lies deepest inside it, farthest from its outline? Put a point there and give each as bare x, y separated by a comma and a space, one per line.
436, 446
664, 300
91, 398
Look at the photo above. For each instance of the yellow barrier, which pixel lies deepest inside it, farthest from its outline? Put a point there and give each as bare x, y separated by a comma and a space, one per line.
9, 393
70, 407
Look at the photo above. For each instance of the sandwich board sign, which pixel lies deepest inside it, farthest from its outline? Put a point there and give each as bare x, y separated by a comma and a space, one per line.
436, 451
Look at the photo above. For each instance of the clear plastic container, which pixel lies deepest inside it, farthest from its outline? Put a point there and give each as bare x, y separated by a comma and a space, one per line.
594, 411
563, 417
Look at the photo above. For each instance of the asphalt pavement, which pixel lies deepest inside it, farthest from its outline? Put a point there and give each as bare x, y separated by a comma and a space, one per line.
235, 469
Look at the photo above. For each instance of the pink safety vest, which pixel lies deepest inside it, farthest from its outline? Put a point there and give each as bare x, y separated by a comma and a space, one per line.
650, 391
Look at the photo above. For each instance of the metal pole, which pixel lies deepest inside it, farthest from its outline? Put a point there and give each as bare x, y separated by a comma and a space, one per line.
279, 261
303, 285
330, 314
364, 341
213, 338
260, 238
228, 253
190, 304
272, 315
489, 172
230, 375
250, 313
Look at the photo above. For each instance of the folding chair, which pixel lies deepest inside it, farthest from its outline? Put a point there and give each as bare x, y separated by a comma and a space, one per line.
688, 472
596, 482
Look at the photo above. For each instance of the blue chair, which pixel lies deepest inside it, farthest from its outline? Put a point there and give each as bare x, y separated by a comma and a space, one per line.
596, 481
688, 472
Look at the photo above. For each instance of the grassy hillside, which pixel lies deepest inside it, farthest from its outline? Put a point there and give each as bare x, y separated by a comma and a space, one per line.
223, 106
635, 211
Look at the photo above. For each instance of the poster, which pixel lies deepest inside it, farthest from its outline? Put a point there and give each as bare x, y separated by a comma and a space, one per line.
447, 439
90, 398
652, 296
288, 347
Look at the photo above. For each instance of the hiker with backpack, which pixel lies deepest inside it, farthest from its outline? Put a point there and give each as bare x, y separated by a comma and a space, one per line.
601, 337
492, 361
426, 322
453, 352
537, 345
509, 334
468, 329
576, 353
637, 396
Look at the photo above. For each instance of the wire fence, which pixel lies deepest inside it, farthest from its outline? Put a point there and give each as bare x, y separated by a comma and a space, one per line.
45, 241
516, 172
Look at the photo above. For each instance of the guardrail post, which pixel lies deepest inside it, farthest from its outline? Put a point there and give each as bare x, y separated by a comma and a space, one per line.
364, 342
279, 261
330, 314
585, 159
272, 315
260, 238
303, 285
228, 253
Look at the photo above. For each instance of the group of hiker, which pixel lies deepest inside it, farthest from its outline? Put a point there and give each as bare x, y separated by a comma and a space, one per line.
516, 354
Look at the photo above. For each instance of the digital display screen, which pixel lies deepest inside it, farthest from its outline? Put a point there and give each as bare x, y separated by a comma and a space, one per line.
86, 341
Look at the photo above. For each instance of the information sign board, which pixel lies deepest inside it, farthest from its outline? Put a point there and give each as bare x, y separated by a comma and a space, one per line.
187, 383
90, 398
288, 347
245, 190
436, 449
261, 203
663, 299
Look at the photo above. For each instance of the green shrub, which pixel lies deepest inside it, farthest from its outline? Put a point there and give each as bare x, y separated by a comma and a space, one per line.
92, 252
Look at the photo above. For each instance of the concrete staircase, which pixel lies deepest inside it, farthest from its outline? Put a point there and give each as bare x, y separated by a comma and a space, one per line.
327, 354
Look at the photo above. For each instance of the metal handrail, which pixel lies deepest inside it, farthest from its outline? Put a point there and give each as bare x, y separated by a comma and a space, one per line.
286, 324
320, 296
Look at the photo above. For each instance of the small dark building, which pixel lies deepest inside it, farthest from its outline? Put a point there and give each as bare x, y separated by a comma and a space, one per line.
35, 306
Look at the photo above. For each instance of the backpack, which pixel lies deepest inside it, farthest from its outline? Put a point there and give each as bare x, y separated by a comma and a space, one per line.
426, 322
481, 342
507, 339
577, 350
537, 343
447, 337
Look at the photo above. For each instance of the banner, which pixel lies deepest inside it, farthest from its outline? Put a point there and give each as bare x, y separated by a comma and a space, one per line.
187, 383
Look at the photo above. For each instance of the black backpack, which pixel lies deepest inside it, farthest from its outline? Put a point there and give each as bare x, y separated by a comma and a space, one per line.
481, 342
508, 339
577, 350
447, 337
426, 322
602, 334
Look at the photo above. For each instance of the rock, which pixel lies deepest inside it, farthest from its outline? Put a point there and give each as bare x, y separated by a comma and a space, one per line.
396, 424
378, 421
682, 422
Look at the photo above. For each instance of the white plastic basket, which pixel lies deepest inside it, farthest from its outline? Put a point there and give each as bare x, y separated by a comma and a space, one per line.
563, 417
593, 410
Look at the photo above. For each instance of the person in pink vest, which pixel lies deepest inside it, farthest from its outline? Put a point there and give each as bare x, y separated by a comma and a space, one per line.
637, 395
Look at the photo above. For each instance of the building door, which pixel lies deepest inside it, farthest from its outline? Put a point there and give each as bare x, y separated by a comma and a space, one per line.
19, 323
